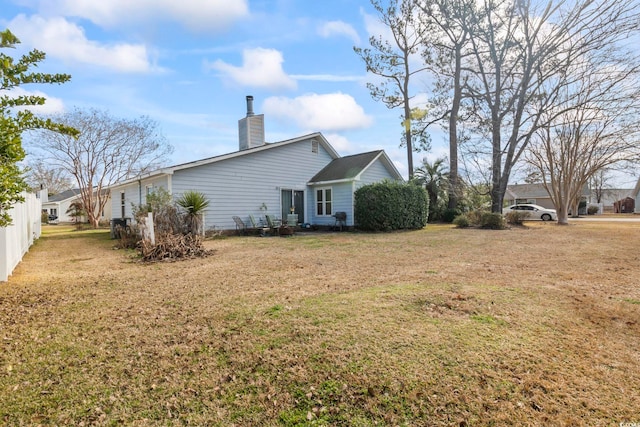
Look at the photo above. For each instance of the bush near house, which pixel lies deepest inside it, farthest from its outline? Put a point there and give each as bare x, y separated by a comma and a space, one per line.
387, 206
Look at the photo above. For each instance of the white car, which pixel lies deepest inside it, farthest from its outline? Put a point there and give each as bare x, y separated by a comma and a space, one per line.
534, 211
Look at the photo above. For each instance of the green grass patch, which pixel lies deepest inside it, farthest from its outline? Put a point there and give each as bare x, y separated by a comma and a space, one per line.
488, 319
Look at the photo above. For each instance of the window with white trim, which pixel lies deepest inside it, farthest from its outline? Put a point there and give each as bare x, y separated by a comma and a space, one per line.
323, 201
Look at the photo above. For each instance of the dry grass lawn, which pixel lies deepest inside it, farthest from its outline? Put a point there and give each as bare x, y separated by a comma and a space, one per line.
530, 326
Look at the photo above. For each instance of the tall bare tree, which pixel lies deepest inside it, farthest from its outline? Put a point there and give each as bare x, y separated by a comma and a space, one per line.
445, 51
107, 150
55, 180
599, 183
511, 55
394, 61
598, 127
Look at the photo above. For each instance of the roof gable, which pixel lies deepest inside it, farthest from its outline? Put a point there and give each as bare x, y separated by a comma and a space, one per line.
349, 168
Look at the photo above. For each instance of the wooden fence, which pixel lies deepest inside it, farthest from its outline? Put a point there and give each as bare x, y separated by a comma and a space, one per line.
16, 239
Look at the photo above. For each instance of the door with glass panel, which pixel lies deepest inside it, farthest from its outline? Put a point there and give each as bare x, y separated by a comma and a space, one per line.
293, 203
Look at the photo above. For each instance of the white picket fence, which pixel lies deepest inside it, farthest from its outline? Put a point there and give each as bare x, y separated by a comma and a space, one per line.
16, 239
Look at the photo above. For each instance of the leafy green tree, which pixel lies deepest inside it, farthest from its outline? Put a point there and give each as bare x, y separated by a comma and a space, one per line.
77, 212
194, 203
15, 119
434, 178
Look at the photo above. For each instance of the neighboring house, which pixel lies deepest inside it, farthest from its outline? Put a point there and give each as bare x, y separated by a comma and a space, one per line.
533, 193
304, 175
528, 193
58, 205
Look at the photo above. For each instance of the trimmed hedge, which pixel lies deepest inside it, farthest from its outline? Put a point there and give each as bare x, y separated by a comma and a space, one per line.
388, 205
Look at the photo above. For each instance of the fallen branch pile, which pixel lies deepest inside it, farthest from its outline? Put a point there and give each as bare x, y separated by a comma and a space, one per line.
172, 247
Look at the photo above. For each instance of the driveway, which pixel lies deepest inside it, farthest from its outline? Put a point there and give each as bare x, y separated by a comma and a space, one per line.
607, 218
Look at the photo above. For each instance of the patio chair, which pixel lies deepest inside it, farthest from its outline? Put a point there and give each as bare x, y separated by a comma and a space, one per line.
241, 228
274, 224
254, 224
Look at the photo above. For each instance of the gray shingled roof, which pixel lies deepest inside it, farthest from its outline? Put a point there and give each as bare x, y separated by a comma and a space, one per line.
534, 191
345, 168
524, 191
64, 195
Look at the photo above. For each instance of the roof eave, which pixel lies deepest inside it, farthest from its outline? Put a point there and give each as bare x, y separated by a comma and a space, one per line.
334, 181
150, 175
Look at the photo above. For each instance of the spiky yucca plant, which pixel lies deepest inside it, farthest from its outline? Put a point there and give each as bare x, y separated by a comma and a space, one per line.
194, 203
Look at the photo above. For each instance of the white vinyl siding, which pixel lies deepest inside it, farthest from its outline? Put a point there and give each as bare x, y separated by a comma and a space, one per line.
135, 194
241, 185
376, 172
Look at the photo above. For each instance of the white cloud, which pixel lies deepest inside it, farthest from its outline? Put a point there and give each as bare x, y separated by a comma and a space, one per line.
197, 15
338, 28
340, 143
260, 68
62, 39
375, 27
51, 106
329, 112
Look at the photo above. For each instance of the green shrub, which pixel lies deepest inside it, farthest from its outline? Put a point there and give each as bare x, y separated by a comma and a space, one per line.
516, 217
450, 214
592, 210
389, 205
462, 221
494, 221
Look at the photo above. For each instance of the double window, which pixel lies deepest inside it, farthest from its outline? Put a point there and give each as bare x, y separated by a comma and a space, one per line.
323, 201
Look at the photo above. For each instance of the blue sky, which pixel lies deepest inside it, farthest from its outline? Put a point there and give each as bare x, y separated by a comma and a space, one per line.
189, 65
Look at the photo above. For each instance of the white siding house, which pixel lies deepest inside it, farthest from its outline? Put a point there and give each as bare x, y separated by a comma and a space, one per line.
269, 179
303, 174
58, 205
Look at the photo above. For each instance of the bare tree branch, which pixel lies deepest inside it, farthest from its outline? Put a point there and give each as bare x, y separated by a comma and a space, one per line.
106, 151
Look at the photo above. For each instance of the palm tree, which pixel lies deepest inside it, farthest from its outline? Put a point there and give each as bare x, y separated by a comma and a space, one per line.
434, 178
194, 203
